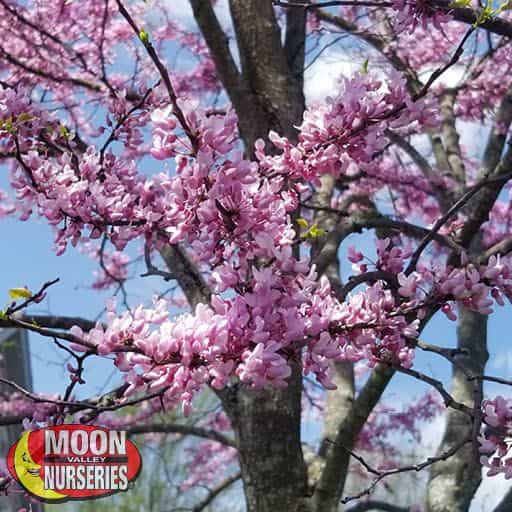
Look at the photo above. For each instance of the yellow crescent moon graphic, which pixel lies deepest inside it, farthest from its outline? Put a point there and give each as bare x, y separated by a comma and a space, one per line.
28, 472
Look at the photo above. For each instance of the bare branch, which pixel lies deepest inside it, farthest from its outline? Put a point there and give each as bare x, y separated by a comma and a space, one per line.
80, 82
438, 385
36, 297
151, 269
486, 182
51, 322
403, 469
216, 491
186, 430
381, 506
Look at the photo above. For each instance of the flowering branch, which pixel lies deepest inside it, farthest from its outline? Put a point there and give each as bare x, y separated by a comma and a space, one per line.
144, 38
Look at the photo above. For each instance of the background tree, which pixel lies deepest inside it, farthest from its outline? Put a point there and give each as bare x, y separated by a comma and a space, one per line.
247, 214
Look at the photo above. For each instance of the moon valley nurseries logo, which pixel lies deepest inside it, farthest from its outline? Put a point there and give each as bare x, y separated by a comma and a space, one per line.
74, 462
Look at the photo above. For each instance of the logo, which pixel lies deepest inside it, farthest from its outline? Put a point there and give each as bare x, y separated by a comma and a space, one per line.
74, 462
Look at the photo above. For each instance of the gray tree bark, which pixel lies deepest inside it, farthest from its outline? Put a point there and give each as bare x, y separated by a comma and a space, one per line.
267, 428
453, 482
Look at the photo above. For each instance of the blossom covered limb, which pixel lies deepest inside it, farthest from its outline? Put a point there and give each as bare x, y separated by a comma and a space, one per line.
467, 15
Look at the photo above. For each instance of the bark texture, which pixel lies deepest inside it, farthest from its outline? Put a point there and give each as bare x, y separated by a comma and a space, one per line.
267, 428
454, 482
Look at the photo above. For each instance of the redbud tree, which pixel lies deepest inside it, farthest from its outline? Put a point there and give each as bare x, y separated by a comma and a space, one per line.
254, 215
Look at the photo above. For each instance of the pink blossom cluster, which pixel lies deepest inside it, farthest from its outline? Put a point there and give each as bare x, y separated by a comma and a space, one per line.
476, 286
224, 206
214, 132
478, 99
231, 211
494, 440
370, 325
20, 121
176, 358
425, 47
253, 336
211, 198
386, 421
347, 131
233, 214
19, 406
209, 461
418, 13
6, 205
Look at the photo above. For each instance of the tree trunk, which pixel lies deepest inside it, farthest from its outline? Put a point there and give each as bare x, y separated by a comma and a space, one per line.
267, 95
267, 428
454, 482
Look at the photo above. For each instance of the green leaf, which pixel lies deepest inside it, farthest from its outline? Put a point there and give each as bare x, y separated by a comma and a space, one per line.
144, 36
8, 125
459, 3
303, 223
315, 231
485, 15
20, 293
64, 131
25, 116
364, 69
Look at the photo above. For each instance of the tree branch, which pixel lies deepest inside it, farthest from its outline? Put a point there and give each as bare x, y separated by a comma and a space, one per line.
332, 480
404, 469
186, 274
265, 68
467, 15
186, 430
51, 322
380, 506
216, 491
163, 73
